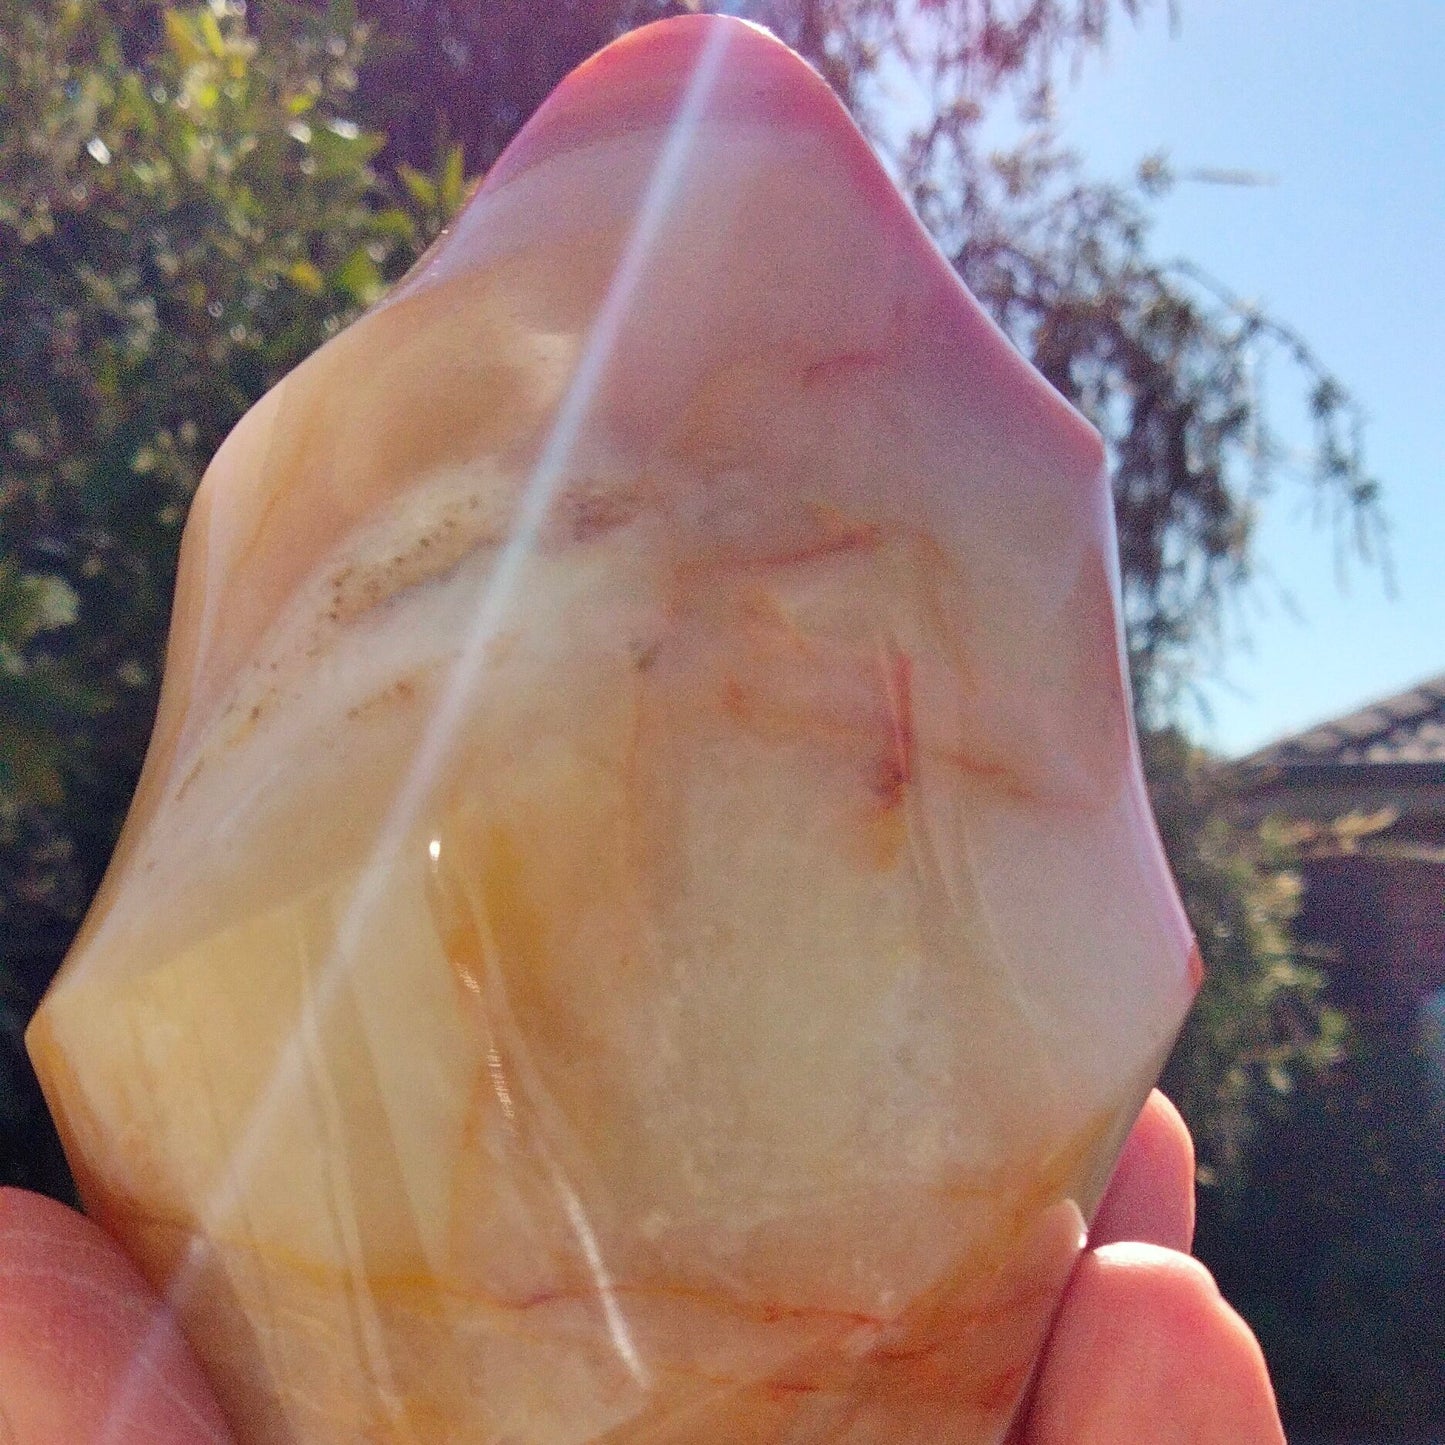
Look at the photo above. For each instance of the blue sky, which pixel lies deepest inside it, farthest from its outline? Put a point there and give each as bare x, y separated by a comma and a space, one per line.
1342, 103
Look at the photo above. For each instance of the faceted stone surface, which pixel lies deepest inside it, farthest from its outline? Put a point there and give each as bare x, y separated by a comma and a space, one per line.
641, 922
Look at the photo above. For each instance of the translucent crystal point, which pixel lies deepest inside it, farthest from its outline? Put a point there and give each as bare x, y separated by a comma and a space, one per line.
641, 922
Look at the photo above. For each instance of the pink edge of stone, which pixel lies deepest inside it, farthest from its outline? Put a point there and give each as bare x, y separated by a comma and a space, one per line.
639, 82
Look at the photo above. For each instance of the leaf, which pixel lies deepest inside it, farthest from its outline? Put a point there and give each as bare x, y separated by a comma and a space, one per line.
181, 37
211, 33
423, 188
453, 181
396, 223
55, 600
360, 277
32, 603
305, 275
29, 769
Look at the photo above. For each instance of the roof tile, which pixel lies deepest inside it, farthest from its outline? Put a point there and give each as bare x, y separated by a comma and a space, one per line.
1406, 728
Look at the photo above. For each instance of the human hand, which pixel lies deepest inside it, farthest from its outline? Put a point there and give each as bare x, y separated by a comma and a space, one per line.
1144, 1350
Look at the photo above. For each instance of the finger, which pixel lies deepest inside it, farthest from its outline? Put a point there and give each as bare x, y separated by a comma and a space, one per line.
86, 1350
1146, 1349
1151, 1196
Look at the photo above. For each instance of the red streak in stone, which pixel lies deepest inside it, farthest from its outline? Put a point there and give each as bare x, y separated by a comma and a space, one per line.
736, 701
837, 368
780, 1389
843, 537
896, 768
1196, 966
1002, 1390
1003, 777
855, 538
900, 703
719, 1302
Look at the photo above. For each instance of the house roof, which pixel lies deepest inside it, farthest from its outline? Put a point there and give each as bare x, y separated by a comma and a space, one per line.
1386, 759
1406, 728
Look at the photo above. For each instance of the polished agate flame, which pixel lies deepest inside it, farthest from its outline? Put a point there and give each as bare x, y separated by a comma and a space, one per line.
641, 922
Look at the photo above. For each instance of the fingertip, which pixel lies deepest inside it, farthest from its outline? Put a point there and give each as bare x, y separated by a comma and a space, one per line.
1151, 1195
87, 1352
1146, 1348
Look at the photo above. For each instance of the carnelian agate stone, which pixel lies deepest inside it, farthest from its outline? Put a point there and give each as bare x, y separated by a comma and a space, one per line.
641, 923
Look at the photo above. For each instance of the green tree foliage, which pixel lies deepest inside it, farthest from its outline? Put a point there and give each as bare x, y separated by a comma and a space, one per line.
484, 68
1336, 1251
1261, 1027
178, 228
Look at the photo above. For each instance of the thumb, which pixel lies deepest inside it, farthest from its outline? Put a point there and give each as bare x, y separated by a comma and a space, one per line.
87, 1352
1145, 1348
